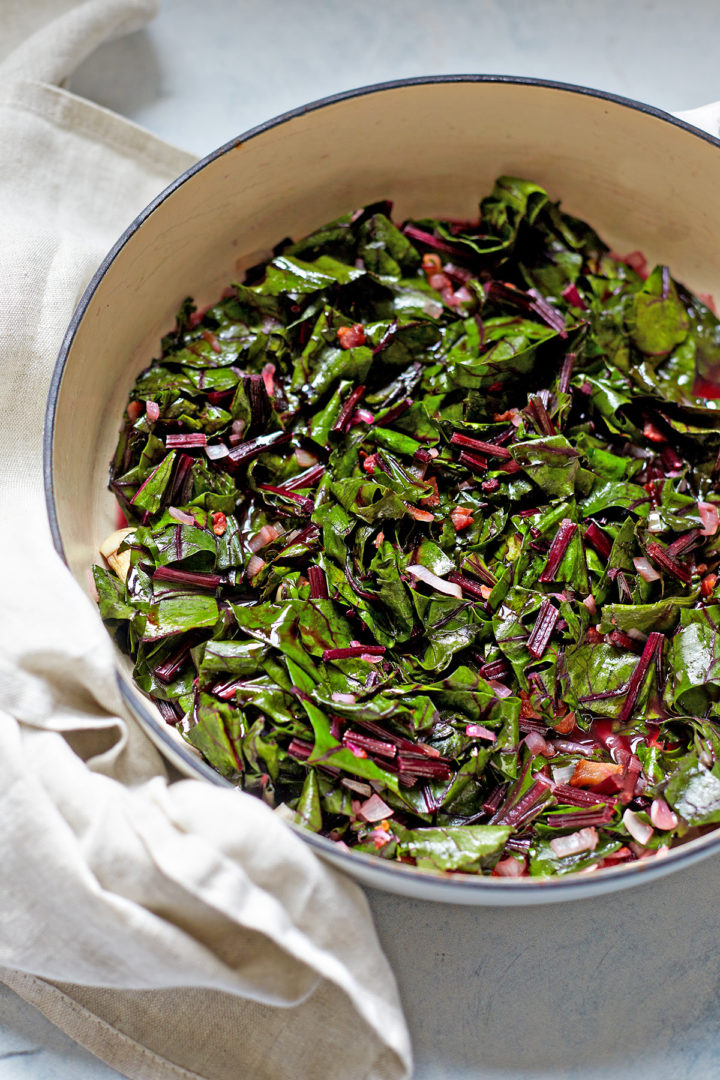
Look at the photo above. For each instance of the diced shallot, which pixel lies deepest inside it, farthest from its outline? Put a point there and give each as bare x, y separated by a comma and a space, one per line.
562, 773
479, 731
254, 566
261, 539
112, 542
423, 574
357, 786
662, 816
509, 867
181, 516
460, 296
645, 569
305, 459
362, 416
216, 451
653, 433
574, 843
638, 829
537, 745
500, 689
374, 809
119, 562
590, 605
709, 516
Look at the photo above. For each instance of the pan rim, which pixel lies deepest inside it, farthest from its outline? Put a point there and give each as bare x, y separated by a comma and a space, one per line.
496, 890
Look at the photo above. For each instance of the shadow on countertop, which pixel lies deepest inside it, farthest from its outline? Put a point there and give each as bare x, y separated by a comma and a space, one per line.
622, 986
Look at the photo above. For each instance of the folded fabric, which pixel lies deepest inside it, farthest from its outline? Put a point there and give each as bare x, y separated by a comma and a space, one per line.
174, 928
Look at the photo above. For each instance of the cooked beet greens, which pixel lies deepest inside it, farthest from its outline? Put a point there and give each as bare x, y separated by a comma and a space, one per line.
423, 540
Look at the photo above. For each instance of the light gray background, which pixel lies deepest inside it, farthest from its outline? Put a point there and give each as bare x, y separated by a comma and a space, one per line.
623, 988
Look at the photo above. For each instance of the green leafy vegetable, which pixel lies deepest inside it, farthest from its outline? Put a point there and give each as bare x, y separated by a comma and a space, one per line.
424, 543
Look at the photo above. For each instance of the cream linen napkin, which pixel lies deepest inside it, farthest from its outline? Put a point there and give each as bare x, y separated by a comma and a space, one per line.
173, 928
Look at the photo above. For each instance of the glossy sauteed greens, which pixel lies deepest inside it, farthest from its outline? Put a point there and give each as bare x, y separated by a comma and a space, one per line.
422, 540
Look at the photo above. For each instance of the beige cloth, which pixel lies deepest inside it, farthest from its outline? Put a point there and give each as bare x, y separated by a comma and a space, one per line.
174, 928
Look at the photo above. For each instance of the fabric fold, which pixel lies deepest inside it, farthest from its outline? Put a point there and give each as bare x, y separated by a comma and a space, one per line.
174, 928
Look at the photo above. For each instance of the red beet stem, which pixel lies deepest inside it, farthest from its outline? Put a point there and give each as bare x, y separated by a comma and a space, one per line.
395, 411
472, 588
519, 845
632, 772
226, 691
494, 670
572, 796
670, 459
543, 628
540, 415
528, 806
491, 449
549, 314
165, 672
623, 641
660, 556
370, 745
169, 713
557, 549
683, 542
318, 583
525, 723
510, 467
475, 564
252, 448
531, 300
435, 768
566, 373
304, 504
179, 488
410, 749
354, 584
304, 479
353, 650
300, 749
345, 414
653, 643
598, 540
580, 818
495, 798
571, 294
307, 536
195, 438
434, 242
473, 462
187, 577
